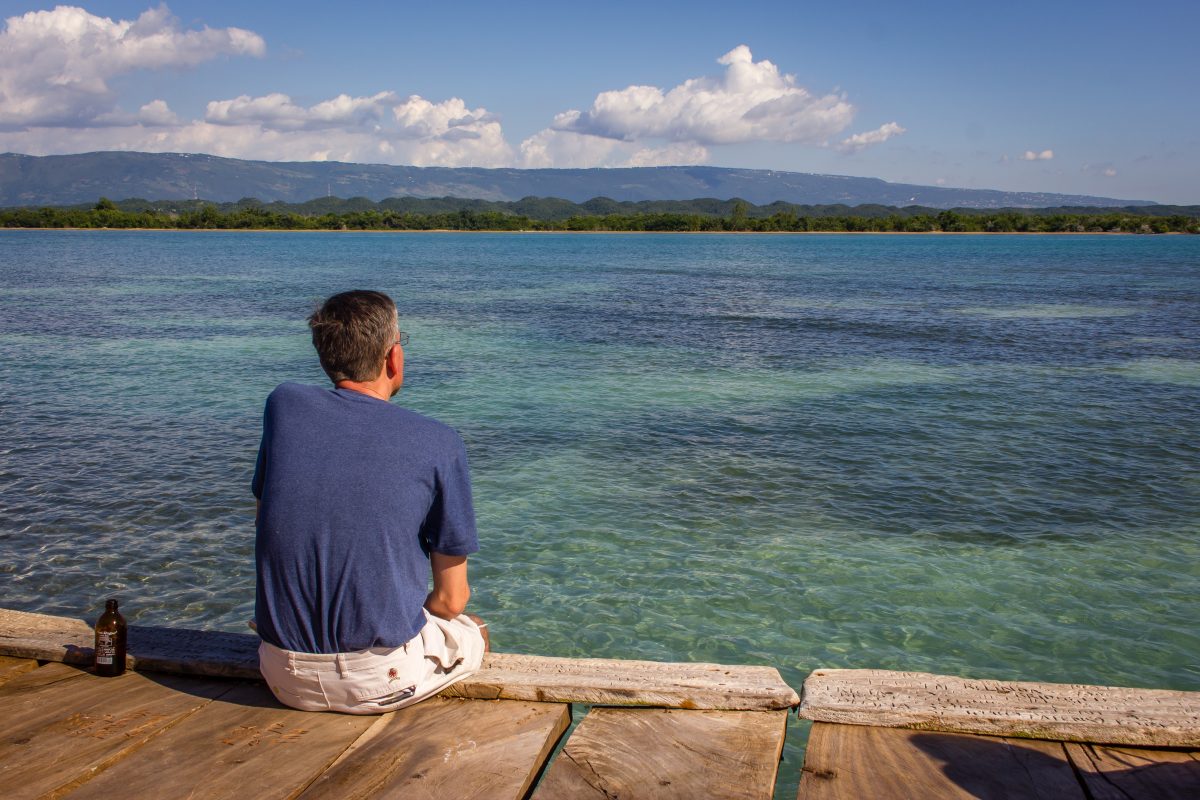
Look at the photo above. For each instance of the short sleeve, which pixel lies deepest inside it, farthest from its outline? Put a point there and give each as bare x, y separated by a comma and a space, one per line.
449, 527
256, 484
260, 463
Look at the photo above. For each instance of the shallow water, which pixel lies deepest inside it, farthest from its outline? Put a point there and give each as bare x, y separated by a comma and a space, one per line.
970, 455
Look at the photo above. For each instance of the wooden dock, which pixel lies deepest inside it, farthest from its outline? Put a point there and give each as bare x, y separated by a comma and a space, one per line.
914, 735
193, 719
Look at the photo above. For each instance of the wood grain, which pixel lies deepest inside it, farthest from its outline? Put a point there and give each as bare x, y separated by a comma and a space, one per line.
504, 675
60, 734
1069, 712
243, 744
668, 753
47, 675
850, 762
1127, 773
603, 681
448, 748
12, 667
45, 637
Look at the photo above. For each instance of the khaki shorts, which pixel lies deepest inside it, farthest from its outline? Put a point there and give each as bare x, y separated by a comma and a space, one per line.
377, 680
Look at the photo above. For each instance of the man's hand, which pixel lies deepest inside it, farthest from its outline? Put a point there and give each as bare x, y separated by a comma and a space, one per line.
450, 588
483, 631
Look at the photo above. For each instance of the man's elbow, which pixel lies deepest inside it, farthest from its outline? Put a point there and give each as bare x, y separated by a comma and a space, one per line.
449, 605
456, 604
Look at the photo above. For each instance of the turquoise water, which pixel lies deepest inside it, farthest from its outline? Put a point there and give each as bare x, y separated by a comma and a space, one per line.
970, 455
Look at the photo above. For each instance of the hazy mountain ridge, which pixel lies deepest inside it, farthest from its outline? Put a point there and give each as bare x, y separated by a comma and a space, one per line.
81, 178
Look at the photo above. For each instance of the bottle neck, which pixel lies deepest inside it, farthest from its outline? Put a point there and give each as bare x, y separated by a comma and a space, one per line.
111, 605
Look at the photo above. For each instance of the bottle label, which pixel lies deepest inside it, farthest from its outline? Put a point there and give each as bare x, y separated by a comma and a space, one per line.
106, 647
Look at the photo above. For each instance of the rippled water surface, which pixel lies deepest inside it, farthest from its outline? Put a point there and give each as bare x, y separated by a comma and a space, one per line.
972, 455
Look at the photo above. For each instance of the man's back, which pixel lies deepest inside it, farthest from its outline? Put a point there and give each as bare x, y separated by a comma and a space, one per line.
355, 492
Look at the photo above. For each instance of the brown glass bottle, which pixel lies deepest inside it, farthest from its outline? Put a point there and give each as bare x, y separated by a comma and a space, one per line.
110, 641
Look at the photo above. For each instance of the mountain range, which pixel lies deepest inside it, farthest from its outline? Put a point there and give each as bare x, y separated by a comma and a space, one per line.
85, 177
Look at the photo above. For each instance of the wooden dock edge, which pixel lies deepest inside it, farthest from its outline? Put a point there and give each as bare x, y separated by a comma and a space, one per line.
1060, 711
505, 676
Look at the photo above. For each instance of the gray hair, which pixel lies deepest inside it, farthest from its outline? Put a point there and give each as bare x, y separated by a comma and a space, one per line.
352, 332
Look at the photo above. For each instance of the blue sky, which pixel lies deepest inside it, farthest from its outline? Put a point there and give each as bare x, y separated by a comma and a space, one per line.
1077, 97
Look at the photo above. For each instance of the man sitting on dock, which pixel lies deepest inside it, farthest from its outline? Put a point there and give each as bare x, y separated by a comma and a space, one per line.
359, 501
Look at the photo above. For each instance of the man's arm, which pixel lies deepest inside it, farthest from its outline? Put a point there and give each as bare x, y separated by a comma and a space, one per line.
450, 588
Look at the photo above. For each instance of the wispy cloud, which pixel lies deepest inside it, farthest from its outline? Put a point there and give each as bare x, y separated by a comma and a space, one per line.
1104, 169
276, 111
667, 155
858, 141
1044, 155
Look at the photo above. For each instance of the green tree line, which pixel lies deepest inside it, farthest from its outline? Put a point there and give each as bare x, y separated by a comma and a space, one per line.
712, 216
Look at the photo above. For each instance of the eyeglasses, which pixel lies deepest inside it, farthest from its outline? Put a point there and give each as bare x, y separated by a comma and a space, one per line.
401, 339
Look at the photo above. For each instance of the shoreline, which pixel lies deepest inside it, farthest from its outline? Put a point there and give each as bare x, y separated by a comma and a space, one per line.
605, 232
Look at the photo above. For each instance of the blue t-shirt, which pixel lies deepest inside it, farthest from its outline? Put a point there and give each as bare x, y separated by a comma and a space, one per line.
355, 494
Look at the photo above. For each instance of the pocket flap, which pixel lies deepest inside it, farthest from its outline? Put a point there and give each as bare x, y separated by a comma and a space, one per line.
368, 690
382, 693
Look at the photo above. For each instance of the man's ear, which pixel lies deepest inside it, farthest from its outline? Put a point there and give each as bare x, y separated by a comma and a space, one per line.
395, 361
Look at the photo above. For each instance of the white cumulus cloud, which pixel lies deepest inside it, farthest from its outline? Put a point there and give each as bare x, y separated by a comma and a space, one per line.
1044, 155
852, 144
751, 101
55, 97
55, 65
381, 127
157, 112
418, 118
563, 150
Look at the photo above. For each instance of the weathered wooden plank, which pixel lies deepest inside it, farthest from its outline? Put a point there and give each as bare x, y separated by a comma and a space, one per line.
1126, 773
58, 735
668, 753
448, 748
242, 744
179, 651
850, 762
504, 675
12, 667
45, 637
185, 651
1070, 712
47, 675
603, 681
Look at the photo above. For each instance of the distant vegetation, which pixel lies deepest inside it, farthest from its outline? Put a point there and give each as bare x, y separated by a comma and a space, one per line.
599, 214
